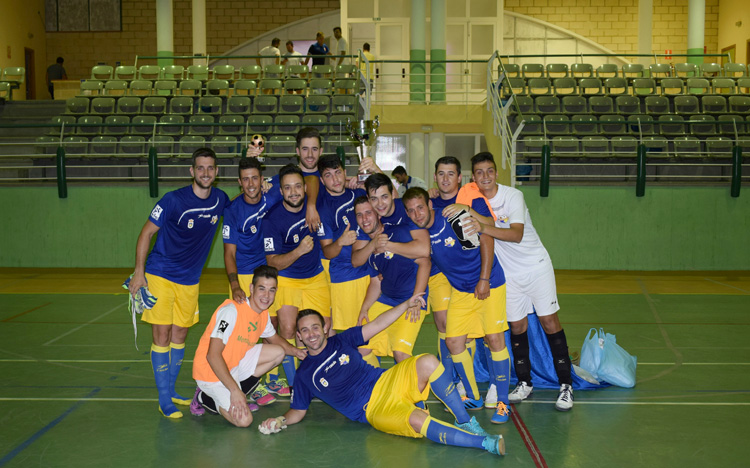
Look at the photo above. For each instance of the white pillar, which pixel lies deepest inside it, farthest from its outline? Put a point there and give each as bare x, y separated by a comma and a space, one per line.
436, 151
645, 22
696, 30
416, 155
199, 30
164, 31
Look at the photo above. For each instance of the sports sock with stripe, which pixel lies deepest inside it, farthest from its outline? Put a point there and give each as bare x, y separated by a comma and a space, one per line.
445, 357
464, 365
176, 354
160, 365
288, 365
444, 433
500, 373
441, 384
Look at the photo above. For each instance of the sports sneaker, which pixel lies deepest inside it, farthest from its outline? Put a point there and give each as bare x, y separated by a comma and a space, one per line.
494, 444
461, 389
502, 413
280, 387
252, 407
261, 396
472, 405
196, 409
472, 426
520, 393
565, 398
490, 400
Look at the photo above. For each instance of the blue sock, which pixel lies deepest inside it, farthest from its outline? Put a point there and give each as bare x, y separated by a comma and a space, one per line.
289, 370
464, 365
420, 405
176, 354
500, 368
443, 433
445, 357
160, 364
443, 387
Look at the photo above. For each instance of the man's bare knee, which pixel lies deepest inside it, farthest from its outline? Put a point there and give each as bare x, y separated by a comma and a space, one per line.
456, 344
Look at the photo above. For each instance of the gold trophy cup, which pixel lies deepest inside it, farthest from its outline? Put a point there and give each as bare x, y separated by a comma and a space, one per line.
365, 132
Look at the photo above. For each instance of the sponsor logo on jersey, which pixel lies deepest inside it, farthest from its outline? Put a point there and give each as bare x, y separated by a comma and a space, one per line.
323, 382
191, 223
344, 359
225, 232
223, 326
295, 239
156, 212
450, 242
214, 219
268, 244
321, 230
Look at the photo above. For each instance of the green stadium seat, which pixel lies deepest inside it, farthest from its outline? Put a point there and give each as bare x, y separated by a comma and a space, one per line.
616, 86
574, 104
16, 76
125, 72
181, 105
103, 105
514, 86
298, 71
698, 86
91, 88
656, 147
554, 124
77, 105
671, 125
686, 70
322, 71
265, 104
132, 144
590, 86
143, 125
595, 147
739, 104
210, 105
295, 86
102, 72
644, 87
584, 124
316, 121
539, 86
224, 145
164, 144
251, 72
239, 105
512, 70
582, 70
62, 125
232, 125
259, 123
291, 104
76, 145
6, 91
557, 70
141, 87
719, 147
197, 72
344, 71
116, 120
173, 72
627, 105
612, 124
709, 70
273, 71
128, 105
165, 87
345, 86
547, 104
632, 71
200, 126
565, 86
281, 145
525, 104
532, 146
686, 105
290, 124
116, 88
714, 104
318, 104
532, 70
149, 72
703, 125
270, 86
565, 147
104, 145
170, 124
344, 104
46, 144
224, 72
641, 124
607, 70
735, 70
723, 86
672, 86
732, 124
94, 120
244, 88
601, 104
660, 70
217, 87
656, 105
624, 146
743, 86
687, 147
190, 87
532, 124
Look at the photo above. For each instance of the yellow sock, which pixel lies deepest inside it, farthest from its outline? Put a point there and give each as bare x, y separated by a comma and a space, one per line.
464, 365
293, 342
272, 373
372, 360
500, 355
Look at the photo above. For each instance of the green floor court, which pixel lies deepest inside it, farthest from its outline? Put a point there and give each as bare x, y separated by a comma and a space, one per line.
76, 392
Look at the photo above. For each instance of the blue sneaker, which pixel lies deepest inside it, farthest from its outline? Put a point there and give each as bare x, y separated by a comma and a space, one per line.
472, 426
494, 444
472, 405
502, 413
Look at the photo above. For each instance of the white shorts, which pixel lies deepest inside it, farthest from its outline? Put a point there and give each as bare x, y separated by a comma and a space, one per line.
246, 368
530, 291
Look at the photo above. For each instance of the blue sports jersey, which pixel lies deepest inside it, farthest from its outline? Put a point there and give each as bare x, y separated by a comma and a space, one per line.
282, 233
336, 213
398, 217
338, 376
242, 227
276, 184
187, 225
460, 266
399, 273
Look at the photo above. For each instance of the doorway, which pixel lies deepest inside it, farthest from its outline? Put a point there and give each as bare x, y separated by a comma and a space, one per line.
28, 63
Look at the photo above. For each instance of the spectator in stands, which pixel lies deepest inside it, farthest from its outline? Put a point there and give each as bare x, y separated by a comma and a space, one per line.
272, 52
362, 65
405, 181
524, 170
318, 50
292, 57
337, 46
55, 72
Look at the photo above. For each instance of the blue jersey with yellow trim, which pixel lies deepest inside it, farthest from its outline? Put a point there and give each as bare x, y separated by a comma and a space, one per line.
338, 376
399, 273
398, 217
336, 213
460, 266
187, 224
242, 227
282, 233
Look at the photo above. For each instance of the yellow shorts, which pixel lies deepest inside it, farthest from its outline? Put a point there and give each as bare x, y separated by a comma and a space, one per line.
474, 318
399, 336
440, 292
326, 268
392, 401
176, 304
245, 282
304, 293
346, 301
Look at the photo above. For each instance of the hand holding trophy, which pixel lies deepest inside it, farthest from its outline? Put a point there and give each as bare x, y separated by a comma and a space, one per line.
365, 132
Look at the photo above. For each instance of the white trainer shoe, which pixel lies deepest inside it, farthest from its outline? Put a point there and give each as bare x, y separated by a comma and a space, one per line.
490, 401
520, 393
565, 398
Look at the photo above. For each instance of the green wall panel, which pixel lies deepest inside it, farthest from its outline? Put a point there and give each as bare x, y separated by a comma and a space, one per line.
601, 228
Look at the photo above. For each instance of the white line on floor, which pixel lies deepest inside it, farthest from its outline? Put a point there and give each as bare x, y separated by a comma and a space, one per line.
87, 323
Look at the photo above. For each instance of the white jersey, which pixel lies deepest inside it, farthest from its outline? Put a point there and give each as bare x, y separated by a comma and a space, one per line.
528, 255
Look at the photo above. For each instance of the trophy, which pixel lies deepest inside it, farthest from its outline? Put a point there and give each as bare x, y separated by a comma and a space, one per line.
365, 132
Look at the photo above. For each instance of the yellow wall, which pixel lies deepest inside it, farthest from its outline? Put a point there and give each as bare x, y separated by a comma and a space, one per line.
22, 26
730, 13
228, 24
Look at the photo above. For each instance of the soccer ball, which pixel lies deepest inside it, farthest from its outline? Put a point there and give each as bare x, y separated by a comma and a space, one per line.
258, 141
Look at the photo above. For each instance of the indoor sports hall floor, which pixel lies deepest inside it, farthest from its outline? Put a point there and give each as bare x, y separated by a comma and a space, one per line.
76, 392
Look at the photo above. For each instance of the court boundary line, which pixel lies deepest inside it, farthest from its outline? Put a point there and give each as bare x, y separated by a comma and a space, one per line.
528, 439
727, 285
25, 312
81, 326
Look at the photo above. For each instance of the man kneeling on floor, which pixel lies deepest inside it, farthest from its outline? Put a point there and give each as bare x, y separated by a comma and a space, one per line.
335, 372
229, 362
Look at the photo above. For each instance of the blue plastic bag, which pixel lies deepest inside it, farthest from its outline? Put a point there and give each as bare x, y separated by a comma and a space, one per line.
617, 366
591, 352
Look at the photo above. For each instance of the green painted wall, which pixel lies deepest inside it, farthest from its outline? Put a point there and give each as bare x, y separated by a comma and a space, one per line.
601, 228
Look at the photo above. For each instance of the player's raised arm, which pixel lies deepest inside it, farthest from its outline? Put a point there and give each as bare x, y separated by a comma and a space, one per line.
418, 247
